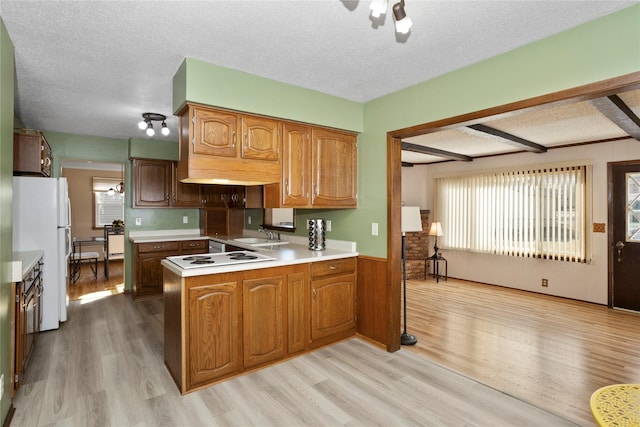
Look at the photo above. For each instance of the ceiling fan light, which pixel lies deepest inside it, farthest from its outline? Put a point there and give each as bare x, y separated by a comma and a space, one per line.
150, 131
142, 124
165, 129
378, 8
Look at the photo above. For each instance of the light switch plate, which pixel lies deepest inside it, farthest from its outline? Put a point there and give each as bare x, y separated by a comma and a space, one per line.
138, 221
374, 228
598, 227
185, 219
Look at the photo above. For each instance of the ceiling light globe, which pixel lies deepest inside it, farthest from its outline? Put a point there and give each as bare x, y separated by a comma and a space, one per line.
165, 130
404, 25
378, 8
142, 125
150, 131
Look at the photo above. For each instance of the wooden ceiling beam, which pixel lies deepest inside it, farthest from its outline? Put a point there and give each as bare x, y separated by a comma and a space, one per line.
614, 108
407, 146
507, 138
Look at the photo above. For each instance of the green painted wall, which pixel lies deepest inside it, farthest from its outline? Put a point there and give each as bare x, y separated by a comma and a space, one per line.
598, 50
7, 65
82, 147
592, 52
209, 84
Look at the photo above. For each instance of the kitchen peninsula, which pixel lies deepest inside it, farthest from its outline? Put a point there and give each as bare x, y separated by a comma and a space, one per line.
224, 320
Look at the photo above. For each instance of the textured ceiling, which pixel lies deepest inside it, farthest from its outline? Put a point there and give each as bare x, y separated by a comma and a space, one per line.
92, 67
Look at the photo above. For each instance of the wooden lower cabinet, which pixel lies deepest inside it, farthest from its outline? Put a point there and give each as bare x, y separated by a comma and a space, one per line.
333, 302
262, 320
213, 332
234, 322
147, 270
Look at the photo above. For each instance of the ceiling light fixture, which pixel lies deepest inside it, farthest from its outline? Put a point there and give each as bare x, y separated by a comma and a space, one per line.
378, 7
403, 22
147, 118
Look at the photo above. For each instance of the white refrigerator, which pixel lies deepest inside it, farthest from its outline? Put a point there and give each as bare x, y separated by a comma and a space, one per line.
42, 220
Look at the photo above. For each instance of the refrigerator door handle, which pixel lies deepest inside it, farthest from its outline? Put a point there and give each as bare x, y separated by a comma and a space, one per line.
69, 242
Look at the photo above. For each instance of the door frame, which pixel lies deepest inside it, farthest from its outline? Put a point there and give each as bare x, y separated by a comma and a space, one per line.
610, 239
394, 172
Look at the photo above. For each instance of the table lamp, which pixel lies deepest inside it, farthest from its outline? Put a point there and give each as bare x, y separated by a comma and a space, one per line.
436, 230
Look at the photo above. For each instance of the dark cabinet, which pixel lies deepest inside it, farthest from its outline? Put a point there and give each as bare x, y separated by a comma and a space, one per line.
151, 183
147, 270
31, 153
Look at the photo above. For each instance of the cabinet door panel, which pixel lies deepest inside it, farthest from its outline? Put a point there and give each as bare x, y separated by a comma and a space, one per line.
214, 332
151, 182
296, 166
263, 320
261, 138
297, 312
334, 164
184, 195
215, 133
333, 306
149, 281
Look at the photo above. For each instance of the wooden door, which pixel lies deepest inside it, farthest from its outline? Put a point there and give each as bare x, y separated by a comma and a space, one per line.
296, 166
151, 185
263, 320
261, 138
149, 280
214, 133
334, 162
624, 235
214, 332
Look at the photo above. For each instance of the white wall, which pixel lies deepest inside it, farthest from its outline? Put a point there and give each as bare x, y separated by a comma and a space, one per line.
414, 186
587, 282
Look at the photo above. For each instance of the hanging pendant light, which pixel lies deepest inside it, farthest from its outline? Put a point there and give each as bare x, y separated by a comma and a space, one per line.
120, 187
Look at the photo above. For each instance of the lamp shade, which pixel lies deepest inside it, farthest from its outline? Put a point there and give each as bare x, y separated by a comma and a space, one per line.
411, 220
436, 229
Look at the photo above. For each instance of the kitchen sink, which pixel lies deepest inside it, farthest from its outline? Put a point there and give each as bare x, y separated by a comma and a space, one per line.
256, 241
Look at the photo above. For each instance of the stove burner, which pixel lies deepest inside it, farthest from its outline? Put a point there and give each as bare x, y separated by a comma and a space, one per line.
206, 260
241, 256
196, 258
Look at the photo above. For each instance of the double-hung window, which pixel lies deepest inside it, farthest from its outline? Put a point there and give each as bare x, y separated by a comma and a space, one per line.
538, 211
108, 205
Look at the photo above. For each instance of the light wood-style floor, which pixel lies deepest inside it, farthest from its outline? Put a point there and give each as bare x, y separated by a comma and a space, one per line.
551, 352
104, 367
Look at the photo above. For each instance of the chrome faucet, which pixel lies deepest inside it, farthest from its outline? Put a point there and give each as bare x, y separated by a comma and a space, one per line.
270, 234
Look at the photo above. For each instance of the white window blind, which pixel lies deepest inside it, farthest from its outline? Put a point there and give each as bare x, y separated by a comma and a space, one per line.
107, 207
534, 212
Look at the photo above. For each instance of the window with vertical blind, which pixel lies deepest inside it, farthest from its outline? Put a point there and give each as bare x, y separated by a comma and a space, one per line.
539, 212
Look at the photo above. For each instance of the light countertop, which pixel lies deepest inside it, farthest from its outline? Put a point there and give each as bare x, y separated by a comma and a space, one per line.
289, 254
24, 261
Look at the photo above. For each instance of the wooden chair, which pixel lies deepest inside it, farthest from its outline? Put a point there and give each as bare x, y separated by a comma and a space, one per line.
113, 246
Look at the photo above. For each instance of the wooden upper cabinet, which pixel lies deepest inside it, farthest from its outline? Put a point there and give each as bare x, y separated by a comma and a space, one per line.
319, 169
296, 165
334, 164
151, 183
31, 153
260, 138
184, 195
214, 132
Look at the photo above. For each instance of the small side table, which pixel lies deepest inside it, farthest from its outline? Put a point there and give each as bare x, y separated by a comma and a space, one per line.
436, 267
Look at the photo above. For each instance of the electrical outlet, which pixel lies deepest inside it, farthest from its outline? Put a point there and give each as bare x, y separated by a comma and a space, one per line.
545, 283
328, 225
185, 219
249, 220
1, 386
138, 221
374, 228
